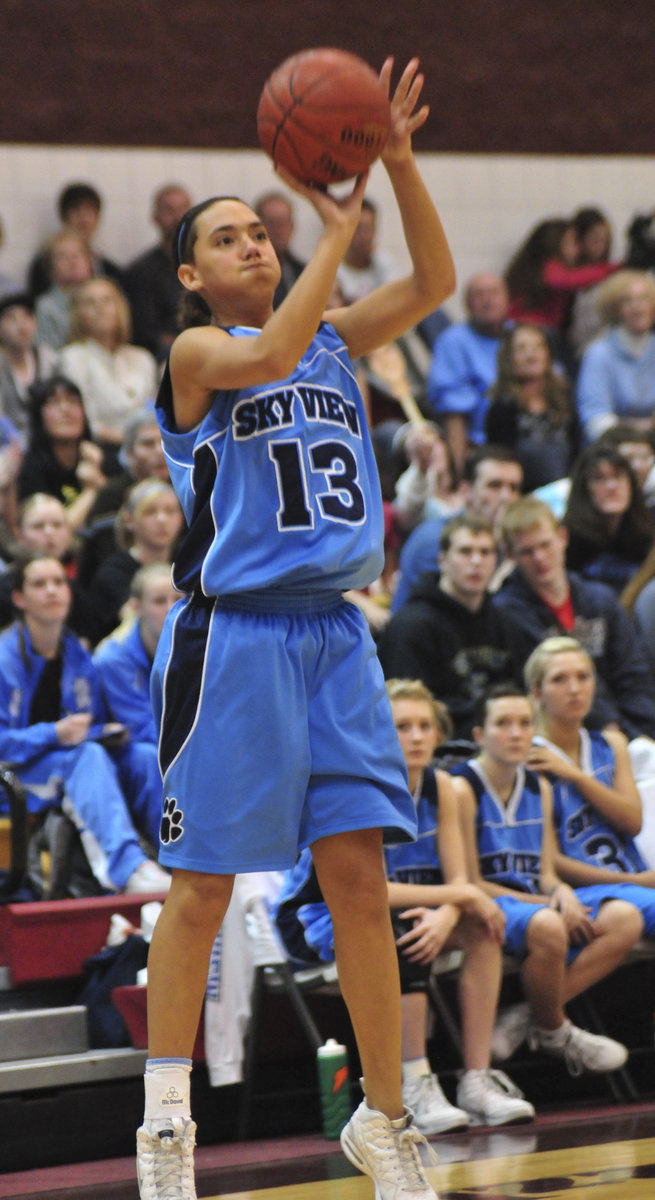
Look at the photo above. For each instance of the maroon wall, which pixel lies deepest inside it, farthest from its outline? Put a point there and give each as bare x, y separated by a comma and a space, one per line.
534, 76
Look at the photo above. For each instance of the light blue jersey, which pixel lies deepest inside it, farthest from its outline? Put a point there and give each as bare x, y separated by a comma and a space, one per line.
510, 836
581, 830
275, 725
279, 483
418, 862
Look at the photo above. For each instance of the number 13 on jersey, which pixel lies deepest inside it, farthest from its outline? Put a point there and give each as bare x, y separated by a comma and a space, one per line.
295, 463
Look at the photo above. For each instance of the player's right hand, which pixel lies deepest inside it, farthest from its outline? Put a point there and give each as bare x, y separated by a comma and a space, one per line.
342, 212
72, 729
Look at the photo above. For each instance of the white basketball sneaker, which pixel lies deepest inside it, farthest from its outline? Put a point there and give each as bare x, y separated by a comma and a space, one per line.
490, 1098
581, 1050
433, 1113
148, 877
164, 1159
387, 1151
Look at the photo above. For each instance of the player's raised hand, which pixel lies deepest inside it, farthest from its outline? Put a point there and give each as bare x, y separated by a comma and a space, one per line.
341, 211
406, 118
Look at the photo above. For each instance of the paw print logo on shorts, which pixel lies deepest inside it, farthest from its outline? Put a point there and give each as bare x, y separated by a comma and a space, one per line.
172, 828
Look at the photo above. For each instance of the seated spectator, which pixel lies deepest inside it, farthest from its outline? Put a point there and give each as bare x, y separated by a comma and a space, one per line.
79, 206
43, 528
147, 528
610, 528
9, 285
544, 276
124, 662
124, 659
464, 365
23, 360
597, 808
115, 378
428, 487
70, 265
434, 908
141, 457
638, 446
530, 408
541, 599
150, 281
52, 724
593, 234
61, 458
617, 373
566, 940
365, 266
640, 234
492, 479
276, 211
448, 634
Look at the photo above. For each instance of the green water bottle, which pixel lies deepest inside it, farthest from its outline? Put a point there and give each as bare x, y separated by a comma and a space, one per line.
334, 1082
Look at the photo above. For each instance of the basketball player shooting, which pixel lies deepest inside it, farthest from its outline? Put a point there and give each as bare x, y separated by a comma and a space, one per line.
276, 730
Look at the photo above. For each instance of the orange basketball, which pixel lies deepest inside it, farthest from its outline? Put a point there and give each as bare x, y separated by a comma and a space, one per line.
324, 115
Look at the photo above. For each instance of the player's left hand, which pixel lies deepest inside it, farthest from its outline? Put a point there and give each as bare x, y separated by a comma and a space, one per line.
542, 758
405, 117
429, 934
576, 916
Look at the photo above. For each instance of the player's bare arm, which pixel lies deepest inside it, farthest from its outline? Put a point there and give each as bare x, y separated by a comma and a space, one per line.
620, 804
393, 308
561, 897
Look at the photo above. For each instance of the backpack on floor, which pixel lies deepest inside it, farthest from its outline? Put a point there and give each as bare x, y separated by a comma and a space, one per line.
57, 867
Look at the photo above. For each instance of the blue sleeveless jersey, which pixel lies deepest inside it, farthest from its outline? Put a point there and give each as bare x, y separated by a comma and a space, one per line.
418, 862
278, 483
510, 836
582, 831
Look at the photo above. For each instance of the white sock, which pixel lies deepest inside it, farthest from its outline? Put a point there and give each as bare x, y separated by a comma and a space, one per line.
414, 1068
554, 1037
168, 1088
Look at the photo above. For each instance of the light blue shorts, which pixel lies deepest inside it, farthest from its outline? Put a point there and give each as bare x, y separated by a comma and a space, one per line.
275, 731
518, 914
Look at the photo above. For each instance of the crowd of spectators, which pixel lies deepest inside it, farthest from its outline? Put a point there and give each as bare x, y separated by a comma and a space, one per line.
516, 451
86, 508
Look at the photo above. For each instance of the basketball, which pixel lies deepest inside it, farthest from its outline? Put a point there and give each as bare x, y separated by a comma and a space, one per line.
324, 115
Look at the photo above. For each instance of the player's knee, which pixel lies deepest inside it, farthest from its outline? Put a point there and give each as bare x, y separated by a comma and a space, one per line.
472, 935
200, 899
94, 757
547, 934
622, 919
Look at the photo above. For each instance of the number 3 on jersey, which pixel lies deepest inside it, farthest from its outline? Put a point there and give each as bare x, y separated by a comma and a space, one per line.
343, 499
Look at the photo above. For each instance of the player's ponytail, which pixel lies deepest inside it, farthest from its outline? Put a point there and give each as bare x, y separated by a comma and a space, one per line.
193, 311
